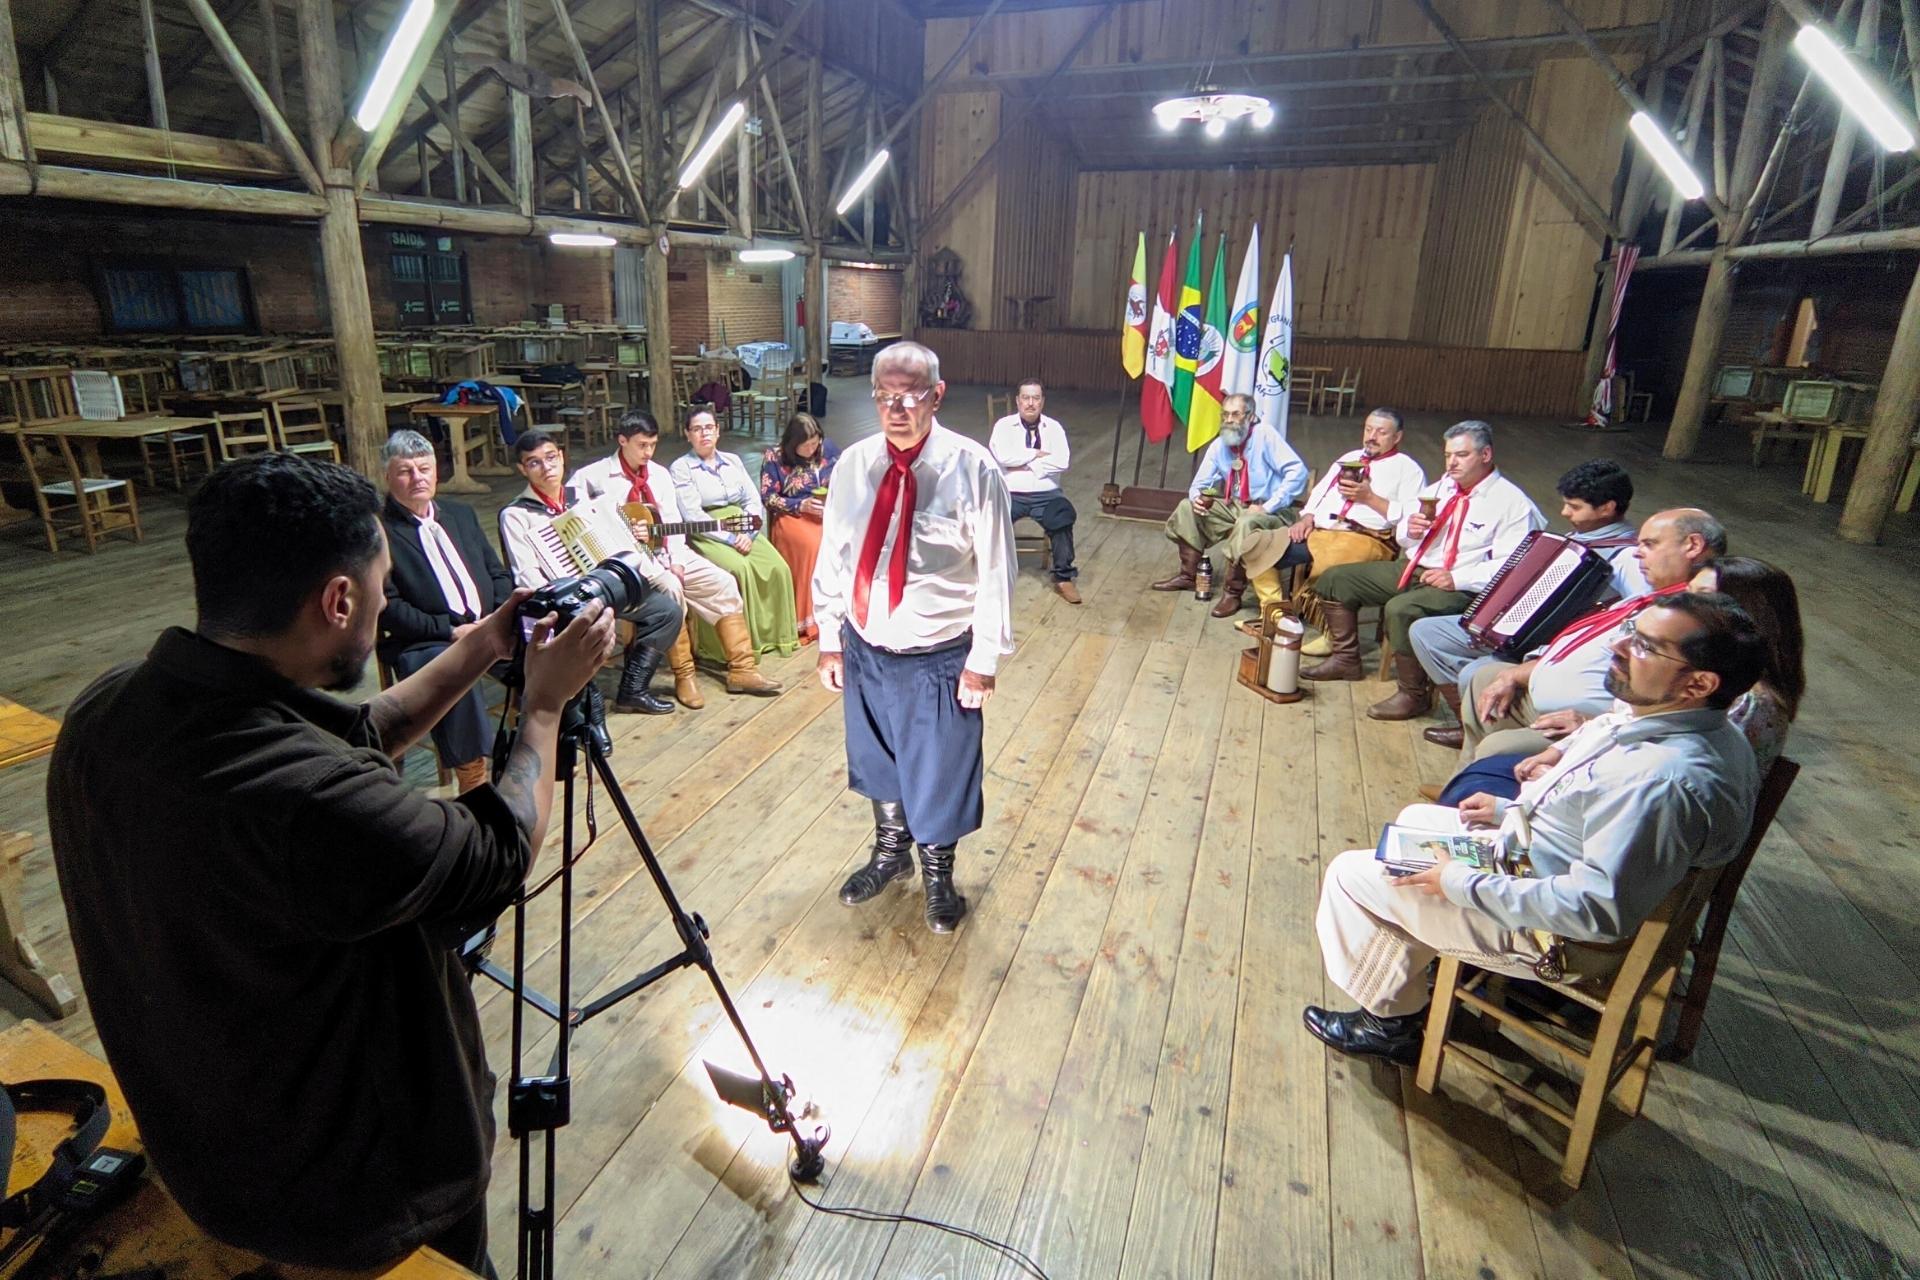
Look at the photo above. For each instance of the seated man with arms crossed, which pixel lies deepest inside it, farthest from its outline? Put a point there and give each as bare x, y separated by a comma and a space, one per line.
657, 618
1249, 479
1639, 798
1518, 708
1593, 499
445, 578
1031, 449
1348, 518
267, 915
708, 590
1462, 530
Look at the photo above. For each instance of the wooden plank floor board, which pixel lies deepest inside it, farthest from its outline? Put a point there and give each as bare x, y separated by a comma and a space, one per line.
1106, 1063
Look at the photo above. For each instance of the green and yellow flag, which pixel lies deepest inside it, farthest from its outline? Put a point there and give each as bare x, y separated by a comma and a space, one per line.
1133, 326
1203, 415
1187, 322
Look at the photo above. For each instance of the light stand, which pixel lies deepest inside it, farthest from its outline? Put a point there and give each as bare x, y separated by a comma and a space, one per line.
539, 1106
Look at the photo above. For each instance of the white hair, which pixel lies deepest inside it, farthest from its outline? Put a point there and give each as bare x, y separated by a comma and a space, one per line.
405, 443
910, 358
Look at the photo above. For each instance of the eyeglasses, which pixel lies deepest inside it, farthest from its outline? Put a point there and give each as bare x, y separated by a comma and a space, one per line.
908, 400
544, 461
1640, 647
704, 429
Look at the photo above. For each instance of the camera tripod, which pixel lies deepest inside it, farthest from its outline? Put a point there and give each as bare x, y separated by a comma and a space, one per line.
538, 1106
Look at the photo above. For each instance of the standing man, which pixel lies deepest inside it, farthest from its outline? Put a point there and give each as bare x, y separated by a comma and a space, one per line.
1478, 517
445, 579
914, 592
657, 618
706, 589
1032, 449
1248, 481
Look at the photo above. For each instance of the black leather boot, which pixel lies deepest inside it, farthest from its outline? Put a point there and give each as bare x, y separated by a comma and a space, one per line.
892, 854
945, 906
1368, 1035
634, 693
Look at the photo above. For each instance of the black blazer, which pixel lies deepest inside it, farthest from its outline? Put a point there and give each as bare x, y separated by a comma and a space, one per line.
416, 610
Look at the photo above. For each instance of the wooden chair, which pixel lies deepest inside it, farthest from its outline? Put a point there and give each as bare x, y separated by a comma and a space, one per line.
1713, 930
239, 434
91, 506
998, 407
1616, 1058
1345, 393
1808, 405
301, 426
179, 449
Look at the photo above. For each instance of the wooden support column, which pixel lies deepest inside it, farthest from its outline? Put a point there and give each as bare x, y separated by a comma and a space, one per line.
519, 112
655, 179
156, 86
1910, 32
1840, 158
615, 142
236, 63
453, 120
270, 52
14, 142
743, 141
815, 215
1883, 459
1695, 109
342, 262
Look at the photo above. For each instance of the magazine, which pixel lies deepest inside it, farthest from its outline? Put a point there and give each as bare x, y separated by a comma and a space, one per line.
1405, 850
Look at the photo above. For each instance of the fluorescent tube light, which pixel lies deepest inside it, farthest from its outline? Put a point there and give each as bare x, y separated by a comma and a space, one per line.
765, 255
1857, 94
1685, 181
580, 240
701, 158
863, 181
393, 61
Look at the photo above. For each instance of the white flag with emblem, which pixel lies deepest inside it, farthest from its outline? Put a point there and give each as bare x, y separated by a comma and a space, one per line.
1242, 357
1274, 378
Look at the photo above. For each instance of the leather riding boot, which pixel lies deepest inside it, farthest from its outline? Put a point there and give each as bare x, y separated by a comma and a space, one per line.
1343, 633
892, 854
680, 662
945, 906
1232, 591
634, 693
470, 775
743, 671
1448, 735
1182, 578
1413, 698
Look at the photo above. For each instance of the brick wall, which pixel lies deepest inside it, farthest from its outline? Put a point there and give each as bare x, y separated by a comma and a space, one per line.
500, 281
687, 300
855, 293
743, 301
581, 279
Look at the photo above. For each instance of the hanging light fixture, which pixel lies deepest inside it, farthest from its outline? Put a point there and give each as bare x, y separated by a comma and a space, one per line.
1856, 92
1214, 111
580, 240
1685, 181
406, 37
704, 156
862, 181
765, 255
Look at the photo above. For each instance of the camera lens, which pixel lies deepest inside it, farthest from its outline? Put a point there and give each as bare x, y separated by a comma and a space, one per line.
616, 580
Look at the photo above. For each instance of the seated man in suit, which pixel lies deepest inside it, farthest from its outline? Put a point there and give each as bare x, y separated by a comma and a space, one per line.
657, 616
444, 579
1639, 798
1249, 479
1594, 496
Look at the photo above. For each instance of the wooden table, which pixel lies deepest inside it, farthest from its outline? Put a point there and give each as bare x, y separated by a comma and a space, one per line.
458, 417
25, 735
391, 399
90, 434
149, 1230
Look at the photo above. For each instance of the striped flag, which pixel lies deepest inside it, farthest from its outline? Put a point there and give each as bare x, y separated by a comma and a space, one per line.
1156, 389
1243, 325
1599, 414
1203, 418
1273, 381
1187, 323
1133, 335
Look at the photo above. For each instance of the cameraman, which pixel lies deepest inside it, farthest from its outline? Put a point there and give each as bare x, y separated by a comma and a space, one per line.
266, 915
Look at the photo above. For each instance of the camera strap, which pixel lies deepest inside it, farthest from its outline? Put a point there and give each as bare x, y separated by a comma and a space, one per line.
87, 1103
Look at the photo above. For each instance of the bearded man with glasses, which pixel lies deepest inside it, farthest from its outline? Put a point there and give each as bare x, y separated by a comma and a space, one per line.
913, 590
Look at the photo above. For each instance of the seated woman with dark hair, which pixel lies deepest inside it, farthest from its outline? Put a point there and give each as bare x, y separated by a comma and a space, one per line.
1765, 713
717, 483
793, 485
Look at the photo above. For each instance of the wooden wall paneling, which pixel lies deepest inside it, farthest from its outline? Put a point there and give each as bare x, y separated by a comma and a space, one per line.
960, 128
1033, 229
1467, 230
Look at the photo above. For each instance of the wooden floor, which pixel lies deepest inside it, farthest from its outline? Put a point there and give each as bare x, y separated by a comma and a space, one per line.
1106, 1064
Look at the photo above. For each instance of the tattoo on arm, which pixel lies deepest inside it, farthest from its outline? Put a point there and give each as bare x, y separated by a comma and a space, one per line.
517, 785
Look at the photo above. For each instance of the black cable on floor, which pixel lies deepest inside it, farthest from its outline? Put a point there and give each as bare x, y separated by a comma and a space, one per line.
1001, 1247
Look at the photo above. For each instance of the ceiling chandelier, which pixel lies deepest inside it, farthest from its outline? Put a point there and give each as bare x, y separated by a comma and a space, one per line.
1213, 110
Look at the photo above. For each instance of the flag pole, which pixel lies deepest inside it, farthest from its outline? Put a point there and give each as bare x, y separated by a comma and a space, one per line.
1110, 495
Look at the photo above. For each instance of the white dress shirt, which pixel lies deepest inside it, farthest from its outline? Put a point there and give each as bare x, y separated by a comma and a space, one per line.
605, 476
1498, 516
456, 584
1628, 578
719, 481
1397, 478
960, 566
1026, 470
1275, 475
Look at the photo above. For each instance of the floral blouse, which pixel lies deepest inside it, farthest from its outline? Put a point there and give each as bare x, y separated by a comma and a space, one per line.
784, 488
1761, 715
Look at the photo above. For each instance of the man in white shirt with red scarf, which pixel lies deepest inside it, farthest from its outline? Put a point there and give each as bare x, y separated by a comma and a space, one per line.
1461, 530
708, 590
914, 593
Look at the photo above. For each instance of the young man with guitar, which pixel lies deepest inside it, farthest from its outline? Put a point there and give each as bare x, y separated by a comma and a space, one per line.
632, 476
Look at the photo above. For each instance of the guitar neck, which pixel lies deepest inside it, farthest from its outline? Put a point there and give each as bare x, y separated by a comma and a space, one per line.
686, 527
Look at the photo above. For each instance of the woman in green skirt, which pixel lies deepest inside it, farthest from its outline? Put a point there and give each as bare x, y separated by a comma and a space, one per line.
718, 484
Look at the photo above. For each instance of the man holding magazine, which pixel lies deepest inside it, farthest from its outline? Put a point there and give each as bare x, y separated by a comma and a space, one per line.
1606, 825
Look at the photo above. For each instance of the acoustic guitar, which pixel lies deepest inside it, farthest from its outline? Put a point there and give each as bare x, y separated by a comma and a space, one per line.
650, 532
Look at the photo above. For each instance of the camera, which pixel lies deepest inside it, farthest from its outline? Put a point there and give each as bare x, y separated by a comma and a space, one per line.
616, 581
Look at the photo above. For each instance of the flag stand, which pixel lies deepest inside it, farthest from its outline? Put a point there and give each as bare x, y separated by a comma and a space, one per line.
1135, 502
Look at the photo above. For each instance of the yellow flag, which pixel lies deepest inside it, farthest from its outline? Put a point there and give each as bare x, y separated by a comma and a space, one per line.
1133, 332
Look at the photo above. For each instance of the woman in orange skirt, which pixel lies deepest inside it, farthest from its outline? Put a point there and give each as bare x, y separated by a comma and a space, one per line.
793, 485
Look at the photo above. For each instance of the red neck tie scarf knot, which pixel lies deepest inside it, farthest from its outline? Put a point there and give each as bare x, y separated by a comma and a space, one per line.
1581, 630
1452, 519
638, 489
1238, 470
553, 508
897, 487
1366, 471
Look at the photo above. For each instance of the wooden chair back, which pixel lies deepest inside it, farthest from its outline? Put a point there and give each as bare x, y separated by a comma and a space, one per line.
70, 501
998, 407
239, 434
301, 426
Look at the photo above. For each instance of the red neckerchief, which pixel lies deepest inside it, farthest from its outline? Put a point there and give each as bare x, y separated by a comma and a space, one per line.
638, 490
1246, 483
897, 486
1366, 472
553, 508
1452, 518
1581, 630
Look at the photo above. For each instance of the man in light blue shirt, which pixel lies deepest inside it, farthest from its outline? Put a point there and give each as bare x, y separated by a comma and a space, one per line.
1618, 815
1249, 479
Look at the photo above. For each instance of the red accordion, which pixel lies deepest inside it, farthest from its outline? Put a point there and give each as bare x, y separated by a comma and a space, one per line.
1549, 581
